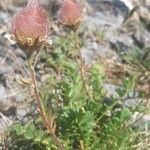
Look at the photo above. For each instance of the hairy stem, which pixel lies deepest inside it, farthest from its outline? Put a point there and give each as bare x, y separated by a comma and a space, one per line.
81, 66
41, 109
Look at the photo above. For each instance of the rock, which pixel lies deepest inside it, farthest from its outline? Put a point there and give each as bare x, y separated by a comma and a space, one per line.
11, 111
142, 122
52, 6
111, 90
4, 17
2, 91
142, 38
127, 3
4, 123
132, 102
22, 114
122, 43
12, 95
92, 47
104, 34
145, 16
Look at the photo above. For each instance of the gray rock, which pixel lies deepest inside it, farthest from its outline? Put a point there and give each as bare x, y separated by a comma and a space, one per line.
4, 17
111, 90
21, 114
142, 38
132, 102
4, 123
2, 91
115, 39
142, 122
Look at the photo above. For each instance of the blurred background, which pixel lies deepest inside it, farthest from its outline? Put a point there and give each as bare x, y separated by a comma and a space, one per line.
110, 31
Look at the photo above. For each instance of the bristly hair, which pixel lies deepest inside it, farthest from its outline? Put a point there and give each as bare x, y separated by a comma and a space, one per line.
71, 13
31, 25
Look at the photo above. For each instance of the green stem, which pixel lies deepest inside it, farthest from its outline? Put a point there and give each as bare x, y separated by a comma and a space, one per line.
81, 66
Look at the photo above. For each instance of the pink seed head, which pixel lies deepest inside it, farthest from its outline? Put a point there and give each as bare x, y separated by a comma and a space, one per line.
30, 26
71, 13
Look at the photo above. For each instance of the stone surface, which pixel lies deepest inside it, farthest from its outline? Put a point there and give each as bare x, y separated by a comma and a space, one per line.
4, 123
141, 121
104, 34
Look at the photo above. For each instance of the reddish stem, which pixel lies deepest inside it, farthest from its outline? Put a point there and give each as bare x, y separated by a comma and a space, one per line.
41, 109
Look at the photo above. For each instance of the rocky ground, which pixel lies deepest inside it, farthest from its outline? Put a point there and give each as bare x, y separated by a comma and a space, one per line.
105, 36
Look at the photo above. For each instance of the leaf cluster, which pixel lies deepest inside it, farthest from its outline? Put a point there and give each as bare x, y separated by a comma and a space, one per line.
84, 121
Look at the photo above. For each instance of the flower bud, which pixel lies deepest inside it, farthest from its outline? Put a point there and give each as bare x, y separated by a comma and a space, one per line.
71, 13
30, 27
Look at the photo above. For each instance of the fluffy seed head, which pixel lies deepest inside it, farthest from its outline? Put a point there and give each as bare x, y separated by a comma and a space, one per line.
30, 27
71, 13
